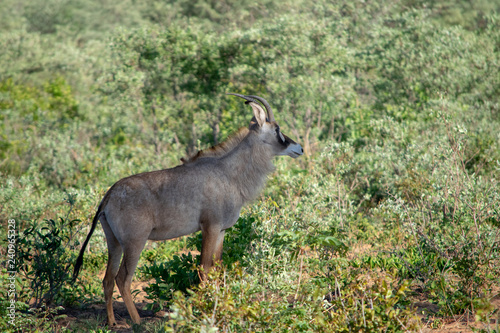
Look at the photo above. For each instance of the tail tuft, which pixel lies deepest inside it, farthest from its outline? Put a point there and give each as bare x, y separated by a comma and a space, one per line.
79, 260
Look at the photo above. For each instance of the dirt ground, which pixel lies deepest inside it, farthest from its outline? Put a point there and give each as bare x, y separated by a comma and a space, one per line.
98, 311
452, 325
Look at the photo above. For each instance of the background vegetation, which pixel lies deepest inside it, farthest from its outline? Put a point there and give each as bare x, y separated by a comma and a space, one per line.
389, 222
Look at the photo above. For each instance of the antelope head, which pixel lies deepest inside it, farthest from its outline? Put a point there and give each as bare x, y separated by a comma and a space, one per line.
268, 129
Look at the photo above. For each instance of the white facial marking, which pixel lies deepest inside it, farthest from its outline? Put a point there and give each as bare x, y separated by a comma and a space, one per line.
282, 137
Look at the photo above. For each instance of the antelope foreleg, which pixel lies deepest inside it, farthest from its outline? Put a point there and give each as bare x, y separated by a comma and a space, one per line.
219, 247
211, 249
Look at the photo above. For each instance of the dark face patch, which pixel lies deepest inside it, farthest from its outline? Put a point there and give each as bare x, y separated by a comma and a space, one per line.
282, 139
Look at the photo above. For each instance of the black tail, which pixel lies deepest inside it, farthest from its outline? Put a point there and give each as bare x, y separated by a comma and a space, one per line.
79, 260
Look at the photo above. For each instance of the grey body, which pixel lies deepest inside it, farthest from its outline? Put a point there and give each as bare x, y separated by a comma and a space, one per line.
205, 193
175, 202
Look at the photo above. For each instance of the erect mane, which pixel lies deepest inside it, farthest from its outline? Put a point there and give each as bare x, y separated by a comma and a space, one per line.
221, 149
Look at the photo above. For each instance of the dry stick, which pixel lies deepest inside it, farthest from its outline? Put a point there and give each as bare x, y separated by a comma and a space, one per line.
363, 309
337, 287
401, 323
216, 301
341, 208
300, 275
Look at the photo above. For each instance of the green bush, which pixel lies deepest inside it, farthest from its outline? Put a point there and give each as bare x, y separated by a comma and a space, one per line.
44, 260
176, 274
232, 304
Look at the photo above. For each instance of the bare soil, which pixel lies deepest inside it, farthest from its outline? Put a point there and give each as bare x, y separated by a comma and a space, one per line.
76, 317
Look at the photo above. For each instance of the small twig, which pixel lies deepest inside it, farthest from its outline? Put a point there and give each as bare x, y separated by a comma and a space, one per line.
300, 274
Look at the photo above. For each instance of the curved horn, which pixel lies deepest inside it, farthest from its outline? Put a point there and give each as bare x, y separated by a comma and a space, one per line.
253, 98
266, 104
248, 98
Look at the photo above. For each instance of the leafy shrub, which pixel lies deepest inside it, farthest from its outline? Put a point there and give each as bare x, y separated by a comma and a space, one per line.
176, 274
237, 240
294, 242
180, 272
232, 304
53, 104
214, 304
44, 260
368, 305
452, 226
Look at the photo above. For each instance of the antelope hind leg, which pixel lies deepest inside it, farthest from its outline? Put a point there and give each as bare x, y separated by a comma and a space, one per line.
114, 256
125, 274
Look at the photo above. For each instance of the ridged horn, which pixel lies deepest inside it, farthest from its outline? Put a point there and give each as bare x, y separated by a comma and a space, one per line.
266, 105
253, 98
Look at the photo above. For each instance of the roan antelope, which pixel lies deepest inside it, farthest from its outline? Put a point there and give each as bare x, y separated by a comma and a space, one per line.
205, 193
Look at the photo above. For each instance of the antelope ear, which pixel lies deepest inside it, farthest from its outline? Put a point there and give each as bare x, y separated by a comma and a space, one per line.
252, 122
259, 113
